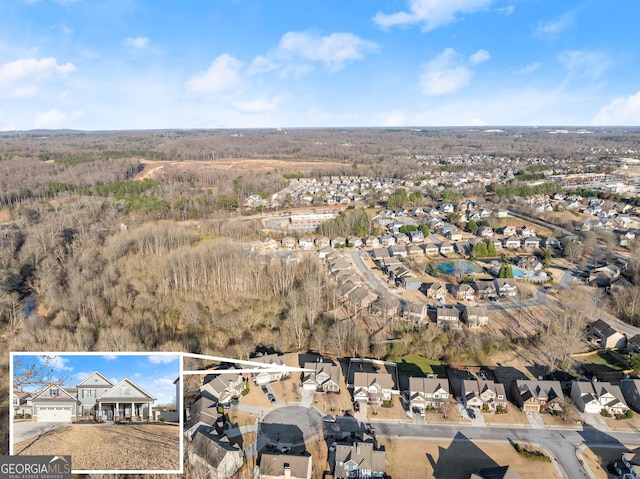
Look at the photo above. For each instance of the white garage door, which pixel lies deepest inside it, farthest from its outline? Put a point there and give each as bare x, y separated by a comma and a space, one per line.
54, 414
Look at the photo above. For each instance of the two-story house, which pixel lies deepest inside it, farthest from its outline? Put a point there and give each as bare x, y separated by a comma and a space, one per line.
595, 396
222, 387
264, 377
325, 376
359, 461
506, 287
372, 387
475, 316
425, 393
448, 317
481, 393
435, 290
534, 396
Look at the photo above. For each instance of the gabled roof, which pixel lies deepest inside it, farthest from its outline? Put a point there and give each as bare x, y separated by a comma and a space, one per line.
63, 393
273, 464
110, 393
96, 373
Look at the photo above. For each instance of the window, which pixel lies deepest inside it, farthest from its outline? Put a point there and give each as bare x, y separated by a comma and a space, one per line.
55, 392
88, 393
500, 396
126, 391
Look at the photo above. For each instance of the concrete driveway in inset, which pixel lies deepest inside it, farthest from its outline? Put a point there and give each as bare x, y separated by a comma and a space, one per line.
27, 429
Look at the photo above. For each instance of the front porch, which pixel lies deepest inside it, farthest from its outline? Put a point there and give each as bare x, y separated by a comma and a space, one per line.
124, 411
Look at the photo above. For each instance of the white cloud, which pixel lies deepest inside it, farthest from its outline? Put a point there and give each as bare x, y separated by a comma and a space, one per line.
585, 63
222, 75
33, 69
620, 111
162, 358
110, 357
297, 52
479, 57
530, 68
508, 10
556, 26
430, 13
26, 91
165, 382
394, 118
55, 362
445, 74
256, 106
136, 42
50, 119
81, 376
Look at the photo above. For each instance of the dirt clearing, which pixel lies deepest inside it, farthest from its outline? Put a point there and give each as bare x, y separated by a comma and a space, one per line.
110, 447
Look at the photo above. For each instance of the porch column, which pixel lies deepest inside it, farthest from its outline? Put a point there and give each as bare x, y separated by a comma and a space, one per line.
149, 418
99, 413
117, 412
132, 411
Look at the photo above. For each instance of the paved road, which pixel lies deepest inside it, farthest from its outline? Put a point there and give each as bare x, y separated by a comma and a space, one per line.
27, 429
375, 283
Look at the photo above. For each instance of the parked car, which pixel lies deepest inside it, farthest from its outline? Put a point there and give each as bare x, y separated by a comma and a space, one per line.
471, 413
333, 446
271, 397
264, 389
356, 406
329, 418
235, 401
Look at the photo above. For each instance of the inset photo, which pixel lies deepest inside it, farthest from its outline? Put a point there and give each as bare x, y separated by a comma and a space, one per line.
111, 412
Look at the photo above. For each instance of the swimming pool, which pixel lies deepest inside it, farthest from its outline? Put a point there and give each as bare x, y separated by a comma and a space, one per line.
451, 267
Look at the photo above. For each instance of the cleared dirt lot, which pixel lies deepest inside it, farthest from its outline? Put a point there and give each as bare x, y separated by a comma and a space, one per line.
408, 459
110, 447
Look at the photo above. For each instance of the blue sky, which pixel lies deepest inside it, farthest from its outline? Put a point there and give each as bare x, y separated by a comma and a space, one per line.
155, 373
141, 64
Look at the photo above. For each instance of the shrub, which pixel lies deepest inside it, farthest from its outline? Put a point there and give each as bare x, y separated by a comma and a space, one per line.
535, 455
605, 413
162, 419
629, 414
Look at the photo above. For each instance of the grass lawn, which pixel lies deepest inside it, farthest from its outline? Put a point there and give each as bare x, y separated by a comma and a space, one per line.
621, 424
458, 459
512, 416
605, 361
599, 457
417, 365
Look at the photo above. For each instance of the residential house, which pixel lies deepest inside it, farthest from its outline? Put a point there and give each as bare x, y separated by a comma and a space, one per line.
431, 249
507, 230
594, 396
215, 454
415, 312
506, 287
324, 376
21, 403
372, 387
306, 242
387, 240
633, 344
628, 467
512, 242
402, 239
485, 394
464, 292
525, 232
95, 397
414, 250
550, 242
338, 242
631, 392
265, 377
531, 242
448, 317
288, 242
372, 242
435, 290
502, 214
398, 250
201, 414
222, 387
485, 289
416, 236
380, 253
285, 466
485, 232
529, 263
361, 297
426, 393
626, 239
409, 282
445, 248
359, 461
354, 242
322, 242
535, 396
604, 336
454, 235
475, 316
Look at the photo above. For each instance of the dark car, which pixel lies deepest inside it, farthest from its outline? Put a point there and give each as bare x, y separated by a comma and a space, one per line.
235, 401
264, 389
356, 406
271, 397
471, 412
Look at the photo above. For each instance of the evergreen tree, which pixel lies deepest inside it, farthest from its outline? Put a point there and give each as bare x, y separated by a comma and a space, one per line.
472, 226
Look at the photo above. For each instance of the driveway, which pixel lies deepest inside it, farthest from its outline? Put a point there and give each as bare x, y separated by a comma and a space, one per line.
25, 430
